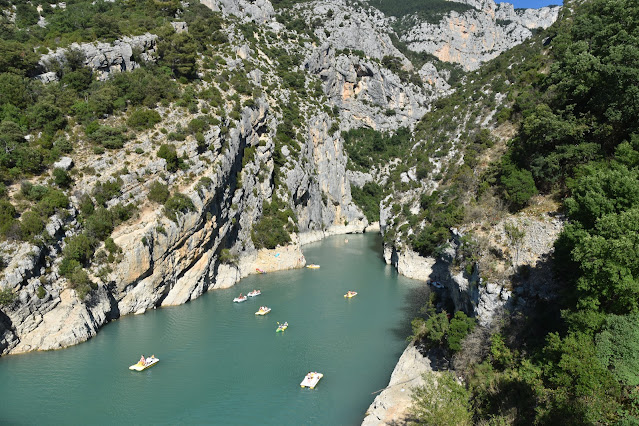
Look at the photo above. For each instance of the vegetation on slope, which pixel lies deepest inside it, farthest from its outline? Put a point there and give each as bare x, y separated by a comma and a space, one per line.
575, 363
83, 117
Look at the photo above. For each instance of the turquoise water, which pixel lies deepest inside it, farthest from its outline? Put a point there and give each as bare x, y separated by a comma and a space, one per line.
222, 364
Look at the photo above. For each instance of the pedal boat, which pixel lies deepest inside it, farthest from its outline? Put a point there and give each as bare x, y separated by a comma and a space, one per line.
350, 294
312, 266
254, 293
240, 299
150, 362
311, 380
263, 310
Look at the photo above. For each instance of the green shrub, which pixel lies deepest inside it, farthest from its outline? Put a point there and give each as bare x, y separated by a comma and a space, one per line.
41, 292
61, 178
143, 119
77, 248
53, 200
441, 401
159, 192
368, 198
104, 191
7, 296
227, 257
518, 186
80, 281
31, 224
274, 226
100, 224
177, 203
108, 137
169, 153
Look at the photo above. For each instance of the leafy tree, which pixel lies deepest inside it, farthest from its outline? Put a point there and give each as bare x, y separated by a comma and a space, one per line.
582, 390
178, 52
274, 226
368, 199
169, 153
78, 248
108, 137
460, 326
61, 178
17, 57
608, 259
618, 347
602, 190
441, 401
518, 185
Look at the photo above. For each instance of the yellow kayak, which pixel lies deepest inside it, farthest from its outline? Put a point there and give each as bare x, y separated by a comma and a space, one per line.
281, 327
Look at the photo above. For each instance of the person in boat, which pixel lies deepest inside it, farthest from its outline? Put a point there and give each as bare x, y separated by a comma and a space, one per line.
142, 360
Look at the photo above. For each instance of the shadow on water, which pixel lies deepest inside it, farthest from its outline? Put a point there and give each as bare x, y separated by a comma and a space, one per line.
414, 301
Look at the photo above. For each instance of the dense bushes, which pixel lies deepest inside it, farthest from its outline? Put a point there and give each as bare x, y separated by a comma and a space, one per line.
177, 203
143, 119
159, 192
368, 198
169, 153
575, 362
367, 147
274, 226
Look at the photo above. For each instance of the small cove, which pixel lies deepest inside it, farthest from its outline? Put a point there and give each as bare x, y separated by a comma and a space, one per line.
222, 364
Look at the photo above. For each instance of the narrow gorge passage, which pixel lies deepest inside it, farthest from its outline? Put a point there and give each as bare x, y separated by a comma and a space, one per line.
221, 364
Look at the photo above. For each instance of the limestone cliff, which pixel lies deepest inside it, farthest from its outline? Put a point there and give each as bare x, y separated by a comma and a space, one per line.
103, 58
479, 34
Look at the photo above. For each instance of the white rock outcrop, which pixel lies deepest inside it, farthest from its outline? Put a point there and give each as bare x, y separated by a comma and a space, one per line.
392, 405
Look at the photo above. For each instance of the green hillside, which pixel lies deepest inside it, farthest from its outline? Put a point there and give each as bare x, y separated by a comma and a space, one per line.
574, 103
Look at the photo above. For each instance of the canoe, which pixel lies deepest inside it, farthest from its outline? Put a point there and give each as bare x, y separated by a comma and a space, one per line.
311, 380
150, 362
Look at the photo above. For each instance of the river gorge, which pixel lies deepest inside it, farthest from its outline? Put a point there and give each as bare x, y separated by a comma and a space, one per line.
222, 364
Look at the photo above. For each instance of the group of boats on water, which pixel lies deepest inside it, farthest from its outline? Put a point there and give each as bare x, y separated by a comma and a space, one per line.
244, 297
310, 380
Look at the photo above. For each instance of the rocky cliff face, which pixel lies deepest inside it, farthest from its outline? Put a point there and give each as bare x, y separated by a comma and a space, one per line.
103, 58
168, 262
392, 405
365, 91
479, 34
257, 10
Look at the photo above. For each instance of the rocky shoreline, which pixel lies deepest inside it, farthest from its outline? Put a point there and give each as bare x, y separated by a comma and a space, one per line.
392, 405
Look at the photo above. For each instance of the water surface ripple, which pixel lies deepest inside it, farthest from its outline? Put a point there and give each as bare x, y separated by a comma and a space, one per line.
222, 364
